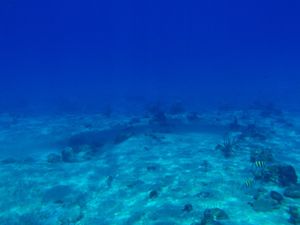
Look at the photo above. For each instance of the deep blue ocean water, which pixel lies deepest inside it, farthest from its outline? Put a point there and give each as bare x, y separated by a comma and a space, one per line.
203, 52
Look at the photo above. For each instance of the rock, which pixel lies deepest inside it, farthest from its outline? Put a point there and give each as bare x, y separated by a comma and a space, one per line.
68, 155
283, 175
177, 108
159, 118
265, 204
81, 154
218, 214
294, 220
151, 168
276, 196
293, 211
53, 158
213, 215
153, 194
187, 208
72, 215
294, 215
292, 191
287, 175
9, 161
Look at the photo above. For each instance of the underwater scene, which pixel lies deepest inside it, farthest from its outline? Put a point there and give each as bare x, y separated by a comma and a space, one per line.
149, 112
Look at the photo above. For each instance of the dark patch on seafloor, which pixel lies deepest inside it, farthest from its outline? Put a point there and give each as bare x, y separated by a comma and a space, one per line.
86, 145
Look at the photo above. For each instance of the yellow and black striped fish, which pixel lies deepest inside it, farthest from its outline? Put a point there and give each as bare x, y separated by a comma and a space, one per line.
249, 182
259, 164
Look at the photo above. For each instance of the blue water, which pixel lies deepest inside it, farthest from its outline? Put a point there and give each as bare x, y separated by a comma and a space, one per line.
199, 51
150, 108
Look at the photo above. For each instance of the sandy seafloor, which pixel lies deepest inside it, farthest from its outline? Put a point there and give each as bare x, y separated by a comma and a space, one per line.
149, 177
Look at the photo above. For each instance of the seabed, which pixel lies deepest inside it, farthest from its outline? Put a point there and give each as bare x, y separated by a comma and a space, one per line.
212, 167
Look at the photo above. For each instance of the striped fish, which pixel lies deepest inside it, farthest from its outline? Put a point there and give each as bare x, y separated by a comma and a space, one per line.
259, 164
249, 182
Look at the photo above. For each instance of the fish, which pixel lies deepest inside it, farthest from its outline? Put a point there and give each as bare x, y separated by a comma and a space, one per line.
259, 164
249, 182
